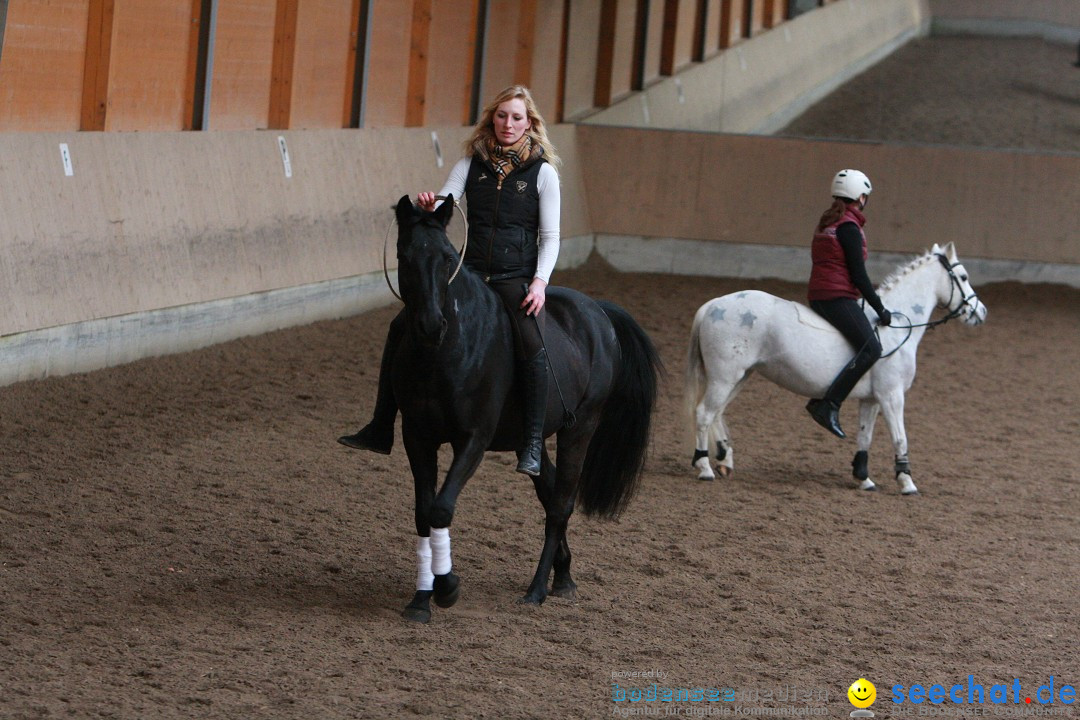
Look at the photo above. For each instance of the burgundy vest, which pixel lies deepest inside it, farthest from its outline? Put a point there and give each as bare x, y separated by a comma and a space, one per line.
829, 277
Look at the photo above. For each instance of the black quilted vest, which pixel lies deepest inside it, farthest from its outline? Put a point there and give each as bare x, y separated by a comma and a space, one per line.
504, 221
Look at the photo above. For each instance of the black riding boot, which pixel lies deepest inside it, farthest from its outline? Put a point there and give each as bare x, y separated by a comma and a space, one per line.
535, 377
378, 435
826, 412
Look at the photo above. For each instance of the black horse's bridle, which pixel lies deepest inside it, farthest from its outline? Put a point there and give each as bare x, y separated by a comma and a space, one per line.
955, 286
464, 244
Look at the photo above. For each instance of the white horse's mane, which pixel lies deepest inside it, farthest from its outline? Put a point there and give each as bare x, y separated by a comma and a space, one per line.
903, 270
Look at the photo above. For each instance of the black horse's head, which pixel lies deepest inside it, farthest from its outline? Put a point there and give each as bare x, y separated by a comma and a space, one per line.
426, 261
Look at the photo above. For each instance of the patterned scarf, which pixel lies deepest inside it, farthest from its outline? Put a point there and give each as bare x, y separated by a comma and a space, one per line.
504, 159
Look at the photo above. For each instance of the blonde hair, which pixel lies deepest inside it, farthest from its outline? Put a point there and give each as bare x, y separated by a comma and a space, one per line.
484, 133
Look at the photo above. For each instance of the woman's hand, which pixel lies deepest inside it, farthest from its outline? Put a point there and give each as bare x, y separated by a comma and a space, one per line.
426, 201
535, 297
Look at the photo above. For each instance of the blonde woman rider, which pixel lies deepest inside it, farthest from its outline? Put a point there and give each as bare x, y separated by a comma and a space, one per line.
508, 176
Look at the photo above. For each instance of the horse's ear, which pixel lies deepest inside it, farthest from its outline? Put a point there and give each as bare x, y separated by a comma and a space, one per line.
404, 210
444, 212
950, 252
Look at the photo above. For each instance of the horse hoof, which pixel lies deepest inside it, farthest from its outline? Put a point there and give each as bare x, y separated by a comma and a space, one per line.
567, 592
447, 590
910, 493
416, 614
706, 478
419, 610
725, 472
531, 599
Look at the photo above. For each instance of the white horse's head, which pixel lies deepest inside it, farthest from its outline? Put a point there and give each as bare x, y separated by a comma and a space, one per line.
955, 292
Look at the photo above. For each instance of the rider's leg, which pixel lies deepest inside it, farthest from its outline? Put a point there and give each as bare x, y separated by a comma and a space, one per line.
533, 372
378, 435
851, 321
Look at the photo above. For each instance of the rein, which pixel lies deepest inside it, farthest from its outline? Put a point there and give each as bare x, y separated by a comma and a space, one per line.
464, 244
954, 286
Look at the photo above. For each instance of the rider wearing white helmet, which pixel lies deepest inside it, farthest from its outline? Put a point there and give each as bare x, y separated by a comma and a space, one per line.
837, 280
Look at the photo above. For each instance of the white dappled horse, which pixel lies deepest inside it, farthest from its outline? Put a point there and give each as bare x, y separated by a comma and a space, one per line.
794, 347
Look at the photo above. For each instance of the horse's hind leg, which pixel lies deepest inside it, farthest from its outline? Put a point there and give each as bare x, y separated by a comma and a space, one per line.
725, 453
558, 506
562, 585
710, 426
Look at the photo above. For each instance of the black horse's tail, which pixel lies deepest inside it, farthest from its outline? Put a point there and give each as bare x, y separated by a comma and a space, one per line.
616, 454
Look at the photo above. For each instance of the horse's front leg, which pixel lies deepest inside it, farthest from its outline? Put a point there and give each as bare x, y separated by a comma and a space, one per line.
860, 465
467, 457
893, 408
423, 460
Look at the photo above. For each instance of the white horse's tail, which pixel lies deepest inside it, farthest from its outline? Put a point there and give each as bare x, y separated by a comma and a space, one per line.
695, 381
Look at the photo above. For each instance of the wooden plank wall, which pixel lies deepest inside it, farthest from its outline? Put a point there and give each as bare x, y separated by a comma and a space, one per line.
119, 65
41, 66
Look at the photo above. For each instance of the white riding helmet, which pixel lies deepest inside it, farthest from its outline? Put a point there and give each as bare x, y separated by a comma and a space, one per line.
851, 184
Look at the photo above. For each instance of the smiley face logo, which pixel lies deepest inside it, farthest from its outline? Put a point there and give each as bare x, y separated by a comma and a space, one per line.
862, 693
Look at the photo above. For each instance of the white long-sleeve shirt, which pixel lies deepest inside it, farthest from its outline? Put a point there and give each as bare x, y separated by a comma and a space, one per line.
550, 210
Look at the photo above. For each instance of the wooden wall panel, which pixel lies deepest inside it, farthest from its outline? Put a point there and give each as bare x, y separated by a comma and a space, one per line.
41, 66
582, 45
623, 57
615, 61
451, 39
544, 82
684, 33
149, 65
281, 77
712, 28
732, 22
323, 35
243, 57
654, 41
757, 16
775, 12
500, 56
387, 77
418, 63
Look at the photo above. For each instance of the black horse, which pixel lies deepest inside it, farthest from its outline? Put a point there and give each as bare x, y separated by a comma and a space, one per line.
454, 381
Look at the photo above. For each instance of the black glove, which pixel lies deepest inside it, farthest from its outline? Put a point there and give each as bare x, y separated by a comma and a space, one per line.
884, 317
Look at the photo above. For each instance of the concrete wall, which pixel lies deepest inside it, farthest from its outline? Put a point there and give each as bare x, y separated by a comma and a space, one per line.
1054, 20
761, 84
163, 242
745, 206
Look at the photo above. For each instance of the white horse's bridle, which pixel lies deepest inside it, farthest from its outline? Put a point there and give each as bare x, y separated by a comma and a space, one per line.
954, 287
464, 244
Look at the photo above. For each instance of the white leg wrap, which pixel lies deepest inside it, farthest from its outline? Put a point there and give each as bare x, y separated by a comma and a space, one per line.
440, 550
425, 579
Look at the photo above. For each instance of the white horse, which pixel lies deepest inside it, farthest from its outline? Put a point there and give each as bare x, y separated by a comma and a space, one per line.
797, 349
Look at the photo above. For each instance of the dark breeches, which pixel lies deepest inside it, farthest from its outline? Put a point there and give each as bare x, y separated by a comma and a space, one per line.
848, 317
527, 339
